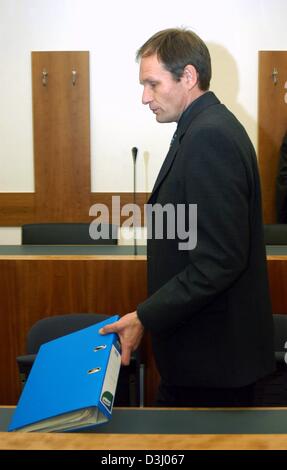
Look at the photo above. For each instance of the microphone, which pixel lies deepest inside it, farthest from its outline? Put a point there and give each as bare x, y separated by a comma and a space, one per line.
134, 155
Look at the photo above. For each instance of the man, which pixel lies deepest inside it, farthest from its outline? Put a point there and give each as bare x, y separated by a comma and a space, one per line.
208, 309
281, 184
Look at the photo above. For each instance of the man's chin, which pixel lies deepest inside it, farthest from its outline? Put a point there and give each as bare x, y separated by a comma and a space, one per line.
163, 119
160, 118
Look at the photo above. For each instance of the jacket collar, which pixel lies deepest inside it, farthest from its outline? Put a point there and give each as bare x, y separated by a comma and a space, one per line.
196, 107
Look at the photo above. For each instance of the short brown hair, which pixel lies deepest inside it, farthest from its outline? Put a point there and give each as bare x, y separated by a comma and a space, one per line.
176, 48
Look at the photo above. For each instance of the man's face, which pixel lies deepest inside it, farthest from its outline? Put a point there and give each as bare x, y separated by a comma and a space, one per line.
166, 97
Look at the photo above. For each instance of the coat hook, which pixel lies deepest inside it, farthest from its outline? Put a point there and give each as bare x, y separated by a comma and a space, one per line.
45, 77
274, 75
74, 77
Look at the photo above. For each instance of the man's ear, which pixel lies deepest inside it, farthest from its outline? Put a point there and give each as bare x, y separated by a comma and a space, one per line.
190, 75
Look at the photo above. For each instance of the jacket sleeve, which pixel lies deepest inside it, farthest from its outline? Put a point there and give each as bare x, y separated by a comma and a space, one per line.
217, 178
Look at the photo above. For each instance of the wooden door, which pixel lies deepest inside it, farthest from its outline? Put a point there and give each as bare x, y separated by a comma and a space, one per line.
61, 117
272, 123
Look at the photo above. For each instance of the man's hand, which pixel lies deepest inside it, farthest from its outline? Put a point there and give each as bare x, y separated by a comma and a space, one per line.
130, 331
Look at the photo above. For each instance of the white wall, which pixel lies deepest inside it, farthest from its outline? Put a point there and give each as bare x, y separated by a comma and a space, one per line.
112, 31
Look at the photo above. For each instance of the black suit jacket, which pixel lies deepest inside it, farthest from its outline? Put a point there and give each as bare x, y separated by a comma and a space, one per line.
208, 308
281, 184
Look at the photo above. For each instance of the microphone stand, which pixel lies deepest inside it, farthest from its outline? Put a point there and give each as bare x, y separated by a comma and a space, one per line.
134, 154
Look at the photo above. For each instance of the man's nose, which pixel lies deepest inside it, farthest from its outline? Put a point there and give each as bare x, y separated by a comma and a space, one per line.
146, 96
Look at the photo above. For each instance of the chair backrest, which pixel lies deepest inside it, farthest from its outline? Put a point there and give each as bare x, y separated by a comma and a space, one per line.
280, 336
68, 234
272, 389
49, 328
275, 234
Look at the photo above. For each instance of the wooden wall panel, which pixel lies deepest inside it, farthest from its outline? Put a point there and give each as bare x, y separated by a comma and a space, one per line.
61, 123
16, 209
272, 123
125, 198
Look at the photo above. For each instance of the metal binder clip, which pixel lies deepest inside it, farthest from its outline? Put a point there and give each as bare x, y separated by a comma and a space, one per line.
98, 348
94, 370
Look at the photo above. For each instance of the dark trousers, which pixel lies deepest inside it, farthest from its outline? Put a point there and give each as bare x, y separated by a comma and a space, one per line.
173, 396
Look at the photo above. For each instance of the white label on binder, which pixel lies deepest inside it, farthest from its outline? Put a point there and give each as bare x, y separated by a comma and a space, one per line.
111, 379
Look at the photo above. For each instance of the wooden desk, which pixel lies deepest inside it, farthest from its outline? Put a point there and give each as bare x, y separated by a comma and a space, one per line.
160, 429
110, 442
39, 281
277, 269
